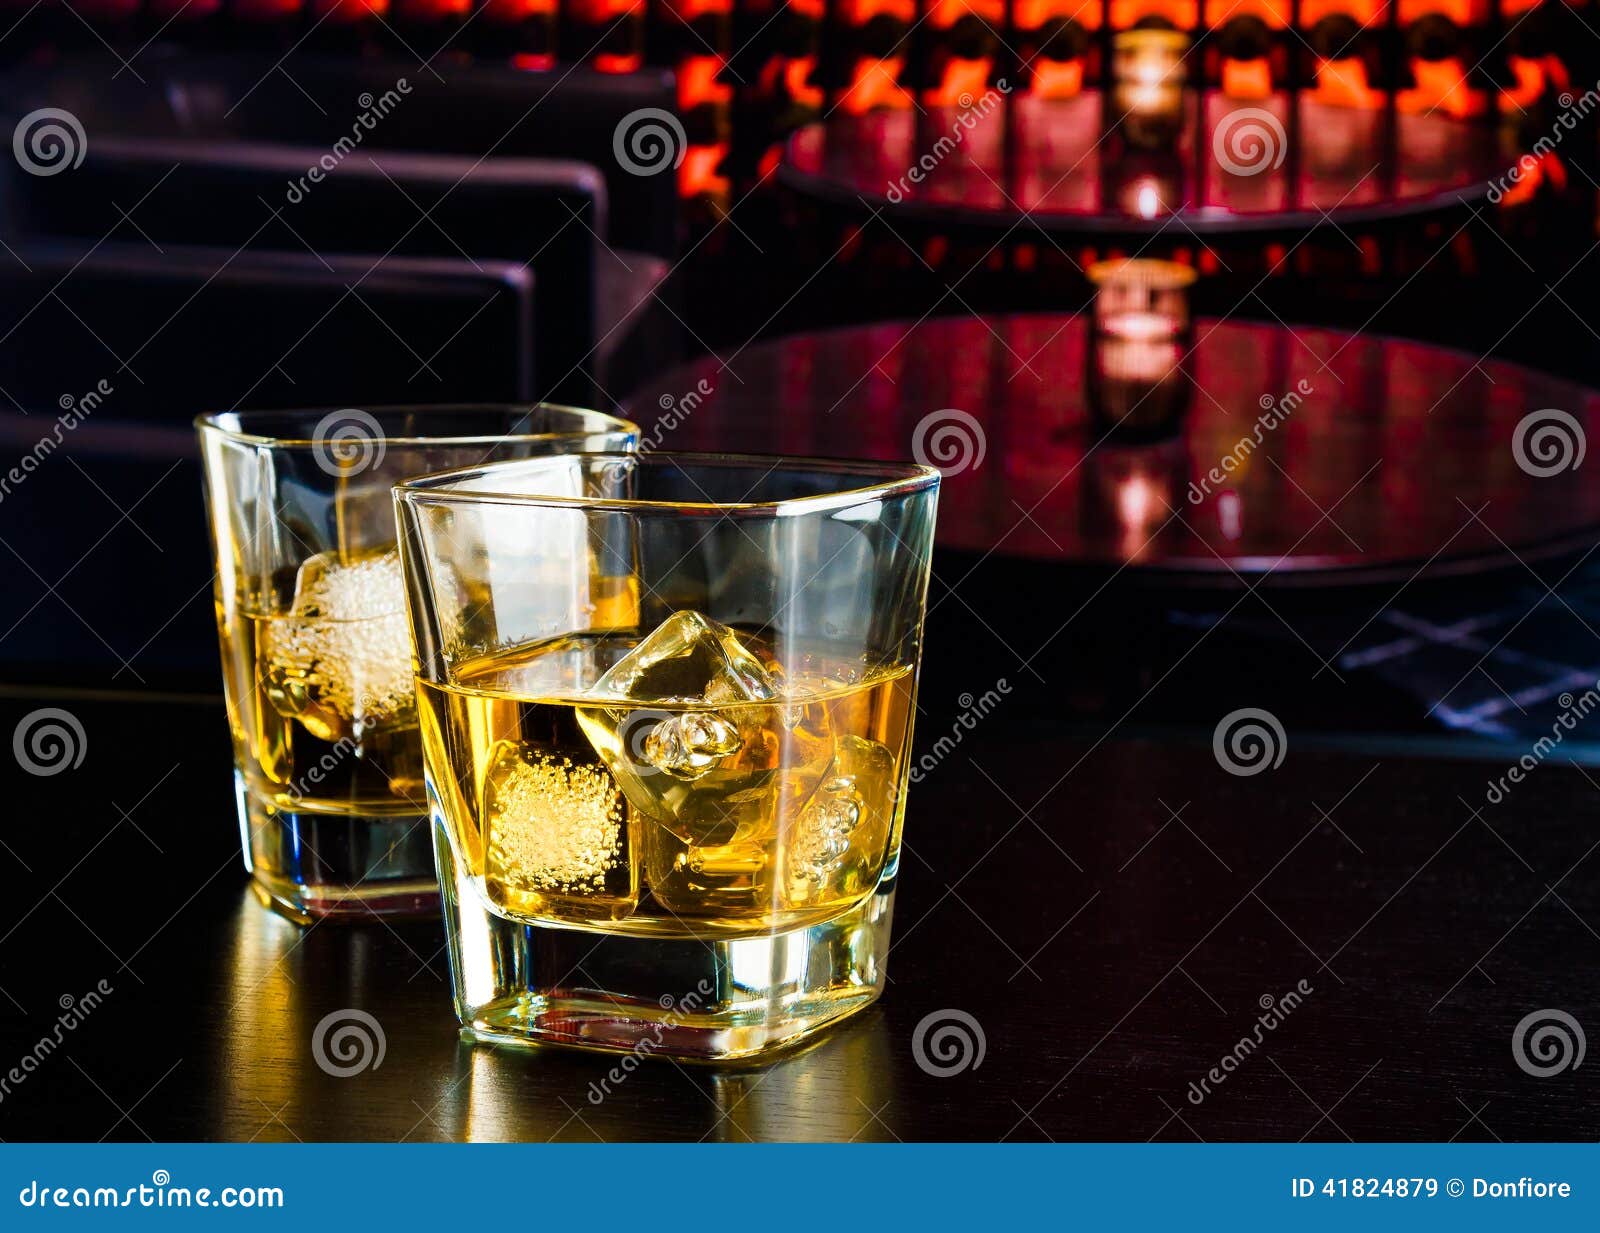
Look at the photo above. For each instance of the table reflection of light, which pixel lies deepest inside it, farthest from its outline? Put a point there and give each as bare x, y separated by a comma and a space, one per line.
1135, 501
840, 1088
263, 1082
1142, 494
833, 1087
1230, 515
1138, 506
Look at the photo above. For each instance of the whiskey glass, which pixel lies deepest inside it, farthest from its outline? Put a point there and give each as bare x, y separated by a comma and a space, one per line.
316, 655
666, 706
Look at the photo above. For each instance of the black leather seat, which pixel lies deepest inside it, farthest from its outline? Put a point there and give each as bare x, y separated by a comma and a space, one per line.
484, 115
481, 111
279, 198
186, 330
102, 525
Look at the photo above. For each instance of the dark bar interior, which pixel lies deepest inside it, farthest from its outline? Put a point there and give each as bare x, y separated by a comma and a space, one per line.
1254, 342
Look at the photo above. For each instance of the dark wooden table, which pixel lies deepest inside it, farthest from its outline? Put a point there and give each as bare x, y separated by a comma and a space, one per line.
1110, 911
1276, 164
1377, 471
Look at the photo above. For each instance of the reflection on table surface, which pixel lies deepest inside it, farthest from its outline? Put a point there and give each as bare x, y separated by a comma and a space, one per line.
1375, 467
1235, 163
1063, 940
282, 987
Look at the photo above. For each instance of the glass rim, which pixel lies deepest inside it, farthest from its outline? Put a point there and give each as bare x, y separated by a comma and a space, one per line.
896, 479
210, 421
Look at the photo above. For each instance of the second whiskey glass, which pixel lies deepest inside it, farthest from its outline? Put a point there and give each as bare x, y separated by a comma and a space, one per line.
316, 656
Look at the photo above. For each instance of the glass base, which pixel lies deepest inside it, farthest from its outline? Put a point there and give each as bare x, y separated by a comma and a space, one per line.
303, 904
313, 864
712, 999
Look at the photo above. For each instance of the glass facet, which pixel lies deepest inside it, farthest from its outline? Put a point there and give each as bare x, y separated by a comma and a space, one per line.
316, 654
666, 704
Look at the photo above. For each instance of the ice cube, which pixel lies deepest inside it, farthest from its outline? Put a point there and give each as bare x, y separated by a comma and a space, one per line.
555, 828
695, 726
837, 846
340, 660
689, 658
690, 745
822, 838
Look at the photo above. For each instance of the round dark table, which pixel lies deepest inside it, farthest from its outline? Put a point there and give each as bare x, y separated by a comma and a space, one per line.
1277, 164
1387, 456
